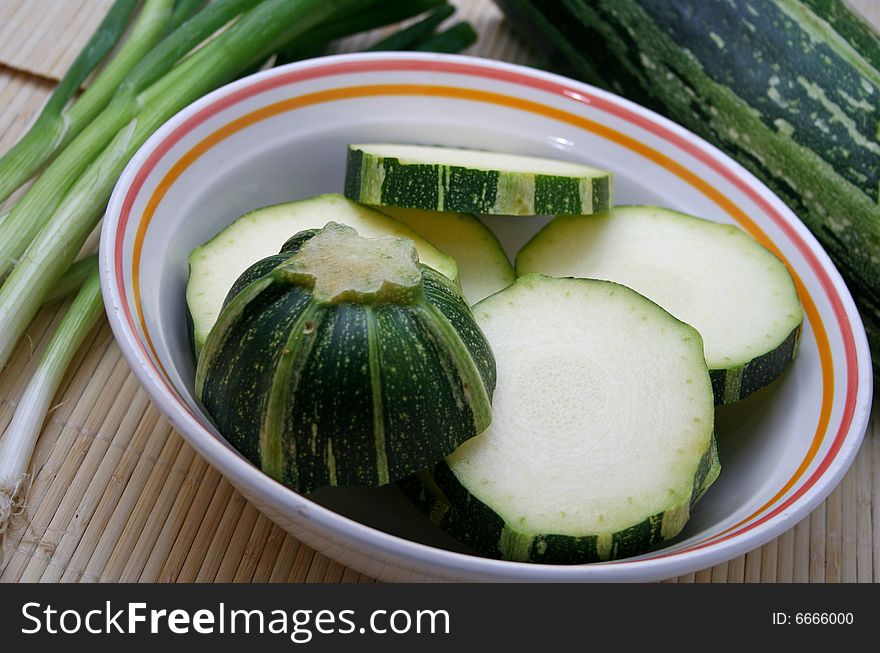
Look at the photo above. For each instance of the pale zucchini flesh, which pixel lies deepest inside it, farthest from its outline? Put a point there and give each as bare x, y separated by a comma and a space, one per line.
602, 431
216, 265
483, 267
737, 294
473, 181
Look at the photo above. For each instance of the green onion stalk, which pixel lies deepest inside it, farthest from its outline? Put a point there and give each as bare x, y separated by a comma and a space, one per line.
257, 34
61, 120
17, 445
411, 36
44, 197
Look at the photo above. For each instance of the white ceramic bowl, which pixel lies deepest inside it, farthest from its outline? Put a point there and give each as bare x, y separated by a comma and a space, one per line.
281, 135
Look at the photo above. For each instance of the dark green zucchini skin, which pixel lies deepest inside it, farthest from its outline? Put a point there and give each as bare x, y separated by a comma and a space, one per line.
789, 88
386, 181
449, 505
346, 393
734, 384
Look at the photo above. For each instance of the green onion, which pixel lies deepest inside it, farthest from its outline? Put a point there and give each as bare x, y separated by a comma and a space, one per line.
412, 35
73, 279
17, 445
362, 18
47, 192
58, 122
253, 37
455, 39
183, 11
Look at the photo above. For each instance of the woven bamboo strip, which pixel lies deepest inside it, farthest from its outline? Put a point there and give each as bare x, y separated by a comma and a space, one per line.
75, 398
270, 553
350, 576
849, 527
874, 433
785, 557
158, 553
161, 507
801, 571
334, 573
719, 573
80, 465
43, 37
317, 569
208, 530
285, 559
833, 544
299, 570
703, 576
769, 562
189, 528
213, 555
100, 484
253, 550
140, 510
118, 503
238, 540
865, 567
752, 569
58, 469
817, 545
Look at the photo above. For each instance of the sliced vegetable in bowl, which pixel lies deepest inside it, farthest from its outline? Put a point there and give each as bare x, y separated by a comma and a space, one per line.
345, 363
216, 265
736, 293
473, 181
483, 267
602, 436
782, 450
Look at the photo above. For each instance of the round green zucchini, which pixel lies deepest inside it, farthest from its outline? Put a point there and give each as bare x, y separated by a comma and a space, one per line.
343, 361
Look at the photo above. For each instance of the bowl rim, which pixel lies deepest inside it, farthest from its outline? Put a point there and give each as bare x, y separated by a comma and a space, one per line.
442, 561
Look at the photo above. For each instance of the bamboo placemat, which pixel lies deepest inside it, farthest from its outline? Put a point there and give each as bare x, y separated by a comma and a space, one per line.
116, 493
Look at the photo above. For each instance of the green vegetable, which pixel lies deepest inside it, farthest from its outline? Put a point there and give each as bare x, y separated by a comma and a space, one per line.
602, 431
72, 280
62, 119
138, 93
737, 294
788, 88
127, 124
483, 267
472, 181
20, 437
342, 361
369, 15
411, 36
216, 265
455, 39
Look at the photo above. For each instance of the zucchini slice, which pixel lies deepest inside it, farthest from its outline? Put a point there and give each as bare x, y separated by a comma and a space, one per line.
602, 431
473, 181
483, 267
713, 276
215, 266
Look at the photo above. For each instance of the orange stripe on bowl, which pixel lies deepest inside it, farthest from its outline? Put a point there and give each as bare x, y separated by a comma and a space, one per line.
608, 133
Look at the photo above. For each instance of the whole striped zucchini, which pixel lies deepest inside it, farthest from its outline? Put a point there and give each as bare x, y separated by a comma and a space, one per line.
342, 361
789, 88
